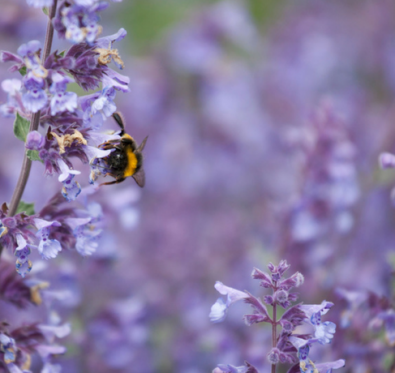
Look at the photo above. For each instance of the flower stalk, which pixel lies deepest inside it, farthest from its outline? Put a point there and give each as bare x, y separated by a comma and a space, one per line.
274, 325
35, 120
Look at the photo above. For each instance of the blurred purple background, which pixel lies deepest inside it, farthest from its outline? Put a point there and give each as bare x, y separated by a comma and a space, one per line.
265, 124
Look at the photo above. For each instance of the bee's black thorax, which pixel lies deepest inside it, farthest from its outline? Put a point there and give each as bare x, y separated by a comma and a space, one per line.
118, 161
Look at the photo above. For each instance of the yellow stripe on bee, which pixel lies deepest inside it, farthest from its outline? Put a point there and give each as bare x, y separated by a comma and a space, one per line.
126, 136
132, 163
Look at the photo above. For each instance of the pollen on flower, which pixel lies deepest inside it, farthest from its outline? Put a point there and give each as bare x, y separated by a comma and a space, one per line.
35, 295
67, 140
107, 55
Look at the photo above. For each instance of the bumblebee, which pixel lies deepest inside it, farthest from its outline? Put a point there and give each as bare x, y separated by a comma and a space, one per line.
124, 161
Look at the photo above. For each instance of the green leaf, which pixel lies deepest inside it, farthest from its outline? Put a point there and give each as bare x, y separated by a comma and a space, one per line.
33, 155
62, 53
22, 70
45, 10
27, 208
21, 127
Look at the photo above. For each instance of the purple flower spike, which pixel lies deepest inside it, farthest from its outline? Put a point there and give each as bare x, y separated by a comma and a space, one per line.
35, 141
39, 3
48, 248
287, 348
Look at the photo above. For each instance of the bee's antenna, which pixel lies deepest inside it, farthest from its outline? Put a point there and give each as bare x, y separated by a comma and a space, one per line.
119, 119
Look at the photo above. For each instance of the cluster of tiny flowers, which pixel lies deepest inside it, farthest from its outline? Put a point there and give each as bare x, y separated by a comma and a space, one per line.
68, 126
331, 186
290, 347
76, 228
17, 345
70, 123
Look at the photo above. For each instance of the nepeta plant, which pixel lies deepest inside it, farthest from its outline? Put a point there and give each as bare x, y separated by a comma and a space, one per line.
56, 125
289, 346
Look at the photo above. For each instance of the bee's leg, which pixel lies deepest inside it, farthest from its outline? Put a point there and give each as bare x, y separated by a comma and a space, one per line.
109, 142
107, 146
117, 181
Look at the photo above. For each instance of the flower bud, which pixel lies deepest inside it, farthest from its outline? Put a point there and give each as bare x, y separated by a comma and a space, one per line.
34, 140
268, 299
281, 296
273, 356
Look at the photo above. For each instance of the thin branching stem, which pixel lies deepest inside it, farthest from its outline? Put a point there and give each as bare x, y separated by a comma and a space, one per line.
34, 122
274, 326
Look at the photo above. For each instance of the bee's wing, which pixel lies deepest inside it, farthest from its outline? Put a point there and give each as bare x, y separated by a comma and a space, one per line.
141, 147
139, 177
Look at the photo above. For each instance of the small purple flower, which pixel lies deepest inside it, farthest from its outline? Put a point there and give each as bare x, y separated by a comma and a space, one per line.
30, 53
86, 232
12, 87
35, 141
118, 81
305, 364
23, 264
35, 97
71, 188
8, 347
48, 248
105, 102
354, 300
62, 100
273, 356
220, 308
324, 332
78, 23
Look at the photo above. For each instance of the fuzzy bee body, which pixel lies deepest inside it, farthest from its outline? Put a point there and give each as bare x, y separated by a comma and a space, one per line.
126, 158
